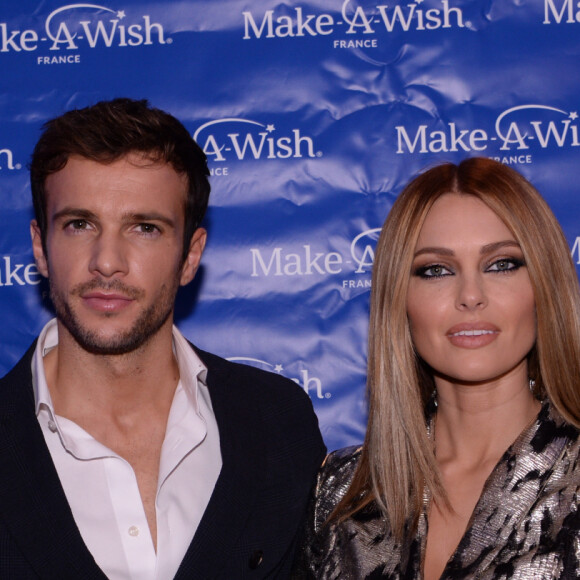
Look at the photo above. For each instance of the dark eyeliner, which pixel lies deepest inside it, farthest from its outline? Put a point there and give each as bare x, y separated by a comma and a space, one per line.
421, 271
516, 264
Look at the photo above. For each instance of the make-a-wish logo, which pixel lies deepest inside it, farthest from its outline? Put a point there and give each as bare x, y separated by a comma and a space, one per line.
362, 249
312, 385
362, 252
519, 129
14, 274
576, 251
353, 20
240, 139
73, 26
7, 160
561, 12
308, 260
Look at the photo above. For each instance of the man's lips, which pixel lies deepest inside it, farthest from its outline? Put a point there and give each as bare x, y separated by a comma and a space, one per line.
472, 334
106, 301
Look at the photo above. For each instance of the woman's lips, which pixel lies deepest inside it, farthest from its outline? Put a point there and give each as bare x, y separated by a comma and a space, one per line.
472, 335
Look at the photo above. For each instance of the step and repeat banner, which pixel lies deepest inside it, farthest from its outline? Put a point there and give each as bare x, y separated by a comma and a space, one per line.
313, 115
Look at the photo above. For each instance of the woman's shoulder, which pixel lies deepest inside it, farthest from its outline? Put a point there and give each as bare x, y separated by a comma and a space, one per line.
341, 458
334, 480
339, 466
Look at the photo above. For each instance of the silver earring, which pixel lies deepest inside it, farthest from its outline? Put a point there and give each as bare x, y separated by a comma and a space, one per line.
532, 386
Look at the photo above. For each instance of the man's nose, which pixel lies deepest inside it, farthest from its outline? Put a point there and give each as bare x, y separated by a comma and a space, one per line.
108, 255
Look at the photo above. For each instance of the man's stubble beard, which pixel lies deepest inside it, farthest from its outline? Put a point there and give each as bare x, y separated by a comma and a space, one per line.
147, 324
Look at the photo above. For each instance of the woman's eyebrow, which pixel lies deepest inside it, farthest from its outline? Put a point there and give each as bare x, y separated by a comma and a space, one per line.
435, 250
498, 246
486, 249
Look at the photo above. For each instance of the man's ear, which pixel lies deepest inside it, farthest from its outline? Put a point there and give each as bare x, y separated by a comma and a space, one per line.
37, 249
193, 258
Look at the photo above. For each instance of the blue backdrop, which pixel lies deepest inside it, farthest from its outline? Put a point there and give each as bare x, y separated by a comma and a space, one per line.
313, 116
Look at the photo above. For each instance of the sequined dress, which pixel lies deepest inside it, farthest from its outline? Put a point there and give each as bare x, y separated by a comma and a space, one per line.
526, 524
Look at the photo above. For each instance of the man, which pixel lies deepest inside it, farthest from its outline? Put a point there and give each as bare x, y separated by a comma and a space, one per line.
125, 451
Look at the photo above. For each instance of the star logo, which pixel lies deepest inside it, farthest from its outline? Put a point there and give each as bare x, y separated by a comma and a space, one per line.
278, 369
270, 128
121, 14
573, 115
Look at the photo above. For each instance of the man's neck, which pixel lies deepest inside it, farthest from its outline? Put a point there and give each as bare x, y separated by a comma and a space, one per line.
87, 384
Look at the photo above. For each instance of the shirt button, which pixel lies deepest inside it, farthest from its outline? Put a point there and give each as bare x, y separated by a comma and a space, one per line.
256, 559
133, 531
52, 426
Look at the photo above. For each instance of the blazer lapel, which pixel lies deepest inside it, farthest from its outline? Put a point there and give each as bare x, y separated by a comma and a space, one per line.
520, 475
231, 503
33, 505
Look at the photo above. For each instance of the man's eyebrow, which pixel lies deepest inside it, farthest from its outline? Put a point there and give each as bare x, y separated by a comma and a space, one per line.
85, 214
486, 249
73, 212
148, 217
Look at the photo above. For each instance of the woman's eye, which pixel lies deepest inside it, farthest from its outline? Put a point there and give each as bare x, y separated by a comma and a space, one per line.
432, 271
505, 265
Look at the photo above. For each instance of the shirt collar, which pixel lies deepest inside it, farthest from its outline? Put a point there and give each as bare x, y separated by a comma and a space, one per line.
191, 368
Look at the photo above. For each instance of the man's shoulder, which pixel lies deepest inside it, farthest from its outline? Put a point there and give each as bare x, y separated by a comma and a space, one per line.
19, 374
22, 366
273, 403
16, 392
251, 379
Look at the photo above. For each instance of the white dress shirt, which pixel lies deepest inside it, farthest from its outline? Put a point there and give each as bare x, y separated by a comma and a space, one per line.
101, 486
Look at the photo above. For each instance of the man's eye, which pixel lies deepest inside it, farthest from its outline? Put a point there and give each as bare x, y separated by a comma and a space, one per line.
148, 228
77, 225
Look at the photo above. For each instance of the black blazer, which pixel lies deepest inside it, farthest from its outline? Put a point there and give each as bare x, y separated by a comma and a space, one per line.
271, 449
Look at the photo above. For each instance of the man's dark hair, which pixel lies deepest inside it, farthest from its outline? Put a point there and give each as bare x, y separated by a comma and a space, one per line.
110, 130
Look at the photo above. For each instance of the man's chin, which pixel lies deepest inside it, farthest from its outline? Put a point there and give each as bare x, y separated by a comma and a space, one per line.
113, 335
114, 340
110, 350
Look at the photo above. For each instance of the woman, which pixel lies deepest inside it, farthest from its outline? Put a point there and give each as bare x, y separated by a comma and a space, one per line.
468, 469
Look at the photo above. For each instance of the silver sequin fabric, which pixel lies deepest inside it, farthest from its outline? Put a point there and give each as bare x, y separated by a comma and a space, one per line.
526, 524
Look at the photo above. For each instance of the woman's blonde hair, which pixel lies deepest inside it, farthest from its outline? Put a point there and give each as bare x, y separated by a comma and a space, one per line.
397, 461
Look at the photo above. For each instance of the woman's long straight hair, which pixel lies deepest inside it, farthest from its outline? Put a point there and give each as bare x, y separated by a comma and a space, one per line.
398, 461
